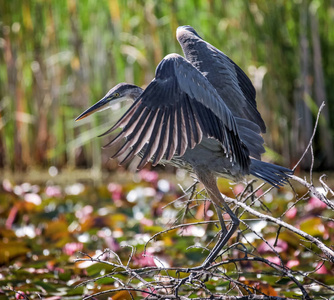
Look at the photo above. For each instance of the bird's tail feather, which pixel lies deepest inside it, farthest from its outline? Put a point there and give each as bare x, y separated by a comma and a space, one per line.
272, 174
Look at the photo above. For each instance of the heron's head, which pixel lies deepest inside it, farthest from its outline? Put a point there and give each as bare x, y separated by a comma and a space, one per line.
120, 92
181, 30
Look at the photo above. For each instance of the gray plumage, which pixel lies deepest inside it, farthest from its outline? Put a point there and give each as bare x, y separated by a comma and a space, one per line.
189, 108
231, 83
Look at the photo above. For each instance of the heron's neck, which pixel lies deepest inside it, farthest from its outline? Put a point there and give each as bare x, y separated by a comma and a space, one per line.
135, 93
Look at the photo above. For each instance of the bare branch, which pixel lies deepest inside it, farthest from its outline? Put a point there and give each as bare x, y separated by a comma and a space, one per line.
327, 251
314, 191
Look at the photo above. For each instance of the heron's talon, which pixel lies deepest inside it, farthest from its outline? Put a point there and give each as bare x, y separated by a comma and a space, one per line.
190, 278
196, 269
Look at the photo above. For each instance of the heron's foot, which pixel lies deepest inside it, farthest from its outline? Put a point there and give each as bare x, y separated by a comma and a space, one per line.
194, 275
198, 269
208, 262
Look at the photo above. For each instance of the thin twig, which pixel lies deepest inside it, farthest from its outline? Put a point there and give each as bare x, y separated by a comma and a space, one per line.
324, 185
312, 136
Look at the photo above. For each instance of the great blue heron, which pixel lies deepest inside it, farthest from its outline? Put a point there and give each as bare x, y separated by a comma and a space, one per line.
198, 113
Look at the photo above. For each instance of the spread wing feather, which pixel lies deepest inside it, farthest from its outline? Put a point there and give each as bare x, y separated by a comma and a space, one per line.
173, 114
232, 84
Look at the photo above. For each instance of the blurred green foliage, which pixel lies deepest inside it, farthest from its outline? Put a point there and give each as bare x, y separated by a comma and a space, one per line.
59, 57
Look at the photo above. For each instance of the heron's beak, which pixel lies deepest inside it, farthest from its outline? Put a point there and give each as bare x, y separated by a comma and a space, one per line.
98, 106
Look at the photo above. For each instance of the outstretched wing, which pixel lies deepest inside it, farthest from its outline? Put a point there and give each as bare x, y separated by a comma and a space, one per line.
174, 112
232, 84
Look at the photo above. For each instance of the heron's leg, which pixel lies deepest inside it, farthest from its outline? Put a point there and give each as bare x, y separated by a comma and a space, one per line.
210, 184
209, 181
223, 230
221, 219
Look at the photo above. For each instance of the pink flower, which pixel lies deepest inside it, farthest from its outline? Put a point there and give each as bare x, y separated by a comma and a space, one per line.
53, 191
321, 269
149, 176
144, 260
274, 259
147, 222
239, 188
115, 191
20, 295
314, 204
110, 241
259, 193
71, 248
83, 213
11, 217
291, 213
7, 185
281, 246
292, 263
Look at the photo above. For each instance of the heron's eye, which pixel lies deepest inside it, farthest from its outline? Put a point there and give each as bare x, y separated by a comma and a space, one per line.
116, 95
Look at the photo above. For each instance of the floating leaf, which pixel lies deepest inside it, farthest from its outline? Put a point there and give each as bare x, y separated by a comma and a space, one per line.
313, 226
11, 249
